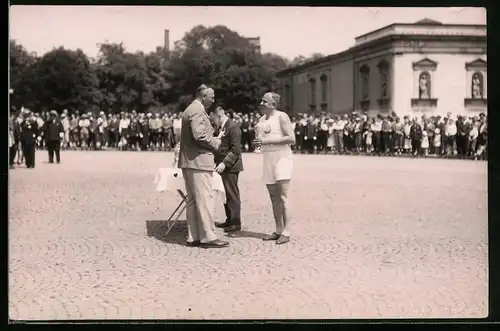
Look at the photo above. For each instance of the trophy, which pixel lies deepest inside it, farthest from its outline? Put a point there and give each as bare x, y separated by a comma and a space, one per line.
258, 134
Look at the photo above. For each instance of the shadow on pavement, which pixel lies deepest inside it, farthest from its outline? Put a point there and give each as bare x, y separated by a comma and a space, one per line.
246, 234
176, 236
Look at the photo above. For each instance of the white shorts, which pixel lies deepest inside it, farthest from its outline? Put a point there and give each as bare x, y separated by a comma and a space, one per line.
277, 165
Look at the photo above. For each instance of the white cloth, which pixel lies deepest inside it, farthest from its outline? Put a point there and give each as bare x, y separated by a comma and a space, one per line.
171, 178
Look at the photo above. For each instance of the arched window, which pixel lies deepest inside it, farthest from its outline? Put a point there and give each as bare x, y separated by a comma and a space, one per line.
365, 82
477, 86
312, 85
324, 89
424, 85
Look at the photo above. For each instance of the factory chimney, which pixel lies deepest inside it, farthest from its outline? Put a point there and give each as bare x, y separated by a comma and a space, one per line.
167, 41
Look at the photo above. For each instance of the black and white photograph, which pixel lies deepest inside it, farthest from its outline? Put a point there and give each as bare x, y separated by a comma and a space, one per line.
247, 163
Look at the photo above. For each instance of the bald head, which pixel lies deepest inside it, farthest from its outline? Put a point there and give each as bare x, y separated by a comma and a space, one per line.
205, 95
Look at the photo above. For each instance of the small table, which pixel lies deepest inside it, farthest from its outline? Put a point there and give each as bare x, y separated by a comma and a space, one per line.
171, 178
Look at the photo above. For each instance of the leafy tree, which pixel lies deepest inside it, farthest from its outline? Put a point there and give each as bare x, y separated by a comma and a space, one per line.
65, 79
227, 61
22, 76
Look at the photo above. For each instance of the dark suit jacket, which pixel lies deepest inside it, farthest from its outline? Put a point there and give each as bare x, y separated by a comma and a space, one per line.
52, 129
230, 148
198, 143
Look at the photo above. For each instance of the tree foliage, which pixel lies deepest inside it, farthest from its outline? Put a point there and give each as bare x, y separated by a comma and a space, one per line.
120, 80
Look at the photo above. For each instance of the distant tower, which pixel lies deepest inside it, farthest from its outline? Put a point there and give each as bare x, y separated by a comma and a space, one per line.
166, 42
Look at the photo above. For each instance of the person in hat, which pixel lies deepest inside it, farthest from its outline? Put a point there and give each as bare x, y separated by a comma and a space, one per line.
54, 133
29, 130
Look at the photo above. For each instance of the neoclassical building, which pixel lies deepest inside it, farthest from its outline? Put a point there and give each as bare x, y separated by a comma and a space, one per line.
424, 67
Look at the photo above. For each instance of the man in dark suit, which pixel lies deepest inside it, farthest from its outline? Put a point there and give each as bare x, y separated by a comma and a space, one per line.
54, 132
196, 159
29, 132
229, 165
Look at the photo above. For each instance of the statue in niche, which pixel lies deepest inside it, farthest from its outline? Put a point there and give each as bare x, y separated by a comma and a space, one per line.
477, 86
424, 82
384, 84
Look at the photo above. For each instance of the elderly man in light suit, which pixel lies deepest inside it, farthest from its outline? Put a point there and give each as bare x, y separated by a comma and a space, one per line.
196, 159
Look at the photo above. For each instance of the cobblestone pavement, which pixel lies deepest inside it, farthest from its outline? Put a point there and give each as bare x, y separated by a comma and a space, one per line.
372, 237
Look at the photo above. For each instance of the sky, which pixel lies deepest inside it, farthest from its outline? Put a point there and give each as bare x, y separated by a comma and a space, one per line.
287, 31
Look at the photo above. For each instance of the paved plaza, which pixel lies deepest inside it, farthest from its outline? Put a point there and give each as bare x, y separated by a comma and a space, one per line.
372, 237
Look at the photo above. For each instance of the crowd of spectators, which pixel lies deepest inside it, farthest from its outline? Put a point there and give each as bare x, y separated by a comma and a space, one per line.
356, 133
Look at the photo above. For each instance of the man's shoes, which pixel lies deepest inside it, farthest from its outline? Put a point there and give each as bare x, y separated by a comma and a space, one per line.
222, 225
232, 228
273, 236
282, 240
215, 244
195, 243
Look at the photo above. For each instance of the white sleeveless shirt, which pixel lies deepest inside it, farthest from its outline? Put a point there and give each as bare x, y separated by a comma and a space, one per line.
271, 128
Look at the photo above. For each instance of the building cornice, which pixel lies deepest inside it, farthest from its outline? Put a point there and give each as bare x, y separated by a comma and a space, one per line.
440, 45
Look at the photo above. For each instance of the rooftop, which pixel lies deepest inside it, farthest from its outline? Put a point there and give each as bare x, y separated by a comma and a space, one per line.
424, 26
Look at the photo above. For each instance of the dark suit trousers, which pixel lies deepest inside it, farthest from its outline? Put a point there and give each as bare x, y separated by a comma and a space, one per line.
233, 202
13, 153
54, 146
29, 153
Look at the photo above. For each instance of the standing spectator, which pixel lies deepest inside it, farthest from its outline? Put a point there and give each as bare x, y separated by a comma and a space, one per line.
377, 129
322, 133
407, 135
144, 132
310, 135
177, 126
442, 127
450, 133
113, 130
65, 124
123, 130
461, 136
397, 129
54, 133
368, 135
40, 135
424, 144
330, 143
416, 137
15, 132
437, 141
134, 134
430, 128
101, 131
92, 131
74, 131
29, 130
84, 124
347, 134
300, 130
245, 133
385, 143
473, 135
338, 129
156, 124
482, 138
167, 132
358, 135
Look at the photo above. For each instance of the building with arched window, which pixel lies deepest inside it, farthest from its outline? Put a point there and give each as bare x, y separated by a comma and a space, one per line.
423, 67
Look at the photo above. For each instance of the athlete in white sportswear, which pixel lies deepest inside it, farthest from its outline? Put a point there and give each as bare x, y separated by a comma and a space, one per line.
275, 136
